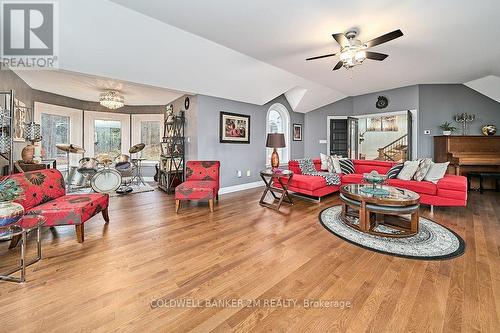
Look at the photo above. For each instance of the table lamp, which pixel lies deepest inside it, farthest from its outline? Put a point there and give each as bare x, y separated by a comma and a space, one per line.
275, 140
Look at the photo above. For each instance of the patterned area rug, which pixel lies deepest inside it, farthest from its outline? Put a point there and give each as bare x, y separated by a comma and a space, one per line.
135, 189
433, 241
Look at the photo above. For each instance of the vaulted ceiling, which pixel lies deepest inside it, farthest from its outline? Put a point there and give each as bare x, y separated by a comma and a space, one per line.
253, 51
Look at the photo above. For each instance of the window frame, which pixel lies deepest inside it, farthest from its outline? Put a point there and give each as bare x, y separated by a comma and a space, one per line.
136, 129
285, 154
75, 125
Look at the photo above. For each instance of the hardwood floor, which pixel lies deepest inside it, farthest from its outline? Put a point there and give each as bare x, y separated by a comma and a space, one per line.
148, 255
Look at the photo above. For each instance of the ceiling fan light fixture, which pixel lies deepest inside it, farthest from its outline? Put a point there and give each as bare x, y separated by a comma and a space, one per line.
111, 99
360, 56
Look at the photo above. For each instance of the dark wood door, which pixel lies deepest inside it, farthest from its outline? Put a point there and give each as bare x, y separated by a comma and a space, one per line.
338, 137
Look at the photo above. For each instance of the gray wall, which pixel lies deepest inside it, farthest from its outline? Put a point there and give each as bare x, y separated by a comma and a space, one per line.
440, 102
435, 103
315, 127
235, 157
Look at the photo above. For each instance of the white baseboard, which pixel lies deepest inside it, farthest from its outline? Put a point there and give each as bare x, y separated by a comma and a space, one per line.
240, 187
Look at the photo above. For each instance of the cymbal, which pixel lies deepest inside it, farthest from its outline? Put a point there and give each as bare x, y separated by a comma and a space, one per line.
70, 148
137, 148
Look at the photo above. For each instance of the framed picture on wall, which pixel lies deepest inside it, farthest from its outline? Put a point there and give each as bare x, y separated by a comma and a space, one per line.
234, 128
297, 132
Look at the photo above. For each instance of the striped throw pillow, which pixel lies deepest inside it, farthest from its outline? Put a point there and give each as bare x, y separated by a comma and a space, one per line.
347, 166
394, 171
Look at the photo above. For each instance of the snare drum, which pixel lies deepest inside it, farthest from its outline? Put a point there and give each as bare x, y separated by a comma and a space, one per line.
122, 163
106, 181
87, 165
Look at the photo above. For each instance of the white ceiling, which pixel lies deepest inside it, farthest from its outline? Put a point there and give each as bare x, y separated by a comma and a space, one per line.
254, 51
488, 86
88, 87
446, 41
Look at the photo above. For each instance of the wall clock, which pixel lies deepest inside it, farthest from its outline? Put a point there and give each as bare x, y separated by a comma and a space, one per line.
382, 102
186, 103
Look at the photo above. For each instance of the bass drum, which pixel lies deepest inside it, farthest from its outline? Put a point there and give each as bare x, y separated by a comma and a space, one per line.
106, 181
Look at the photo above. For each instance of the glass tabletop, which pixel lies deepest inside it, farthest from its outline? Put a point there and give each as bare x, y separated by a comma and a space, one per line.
391, 194
276, 172
25, 223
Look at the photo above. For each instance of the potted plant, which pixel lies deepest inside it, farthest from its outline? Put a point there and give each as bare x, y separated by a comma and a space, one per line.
10, 211
447, 128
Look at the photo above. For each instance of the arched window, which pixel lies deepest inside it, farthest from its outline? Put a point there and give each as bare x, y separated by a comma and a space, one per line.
278, 121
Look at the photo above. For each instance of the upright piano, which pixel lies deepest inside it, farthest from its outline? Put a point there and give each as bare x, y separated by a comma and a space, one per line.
468, 153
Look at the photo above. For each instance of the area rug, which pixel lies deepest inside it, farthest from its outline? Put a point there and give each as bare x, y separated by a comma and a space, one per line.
432, 242
135, 189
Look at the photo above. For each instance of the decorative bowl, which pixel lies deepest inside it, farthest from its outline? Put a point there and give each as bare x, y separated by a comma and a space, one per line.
489, 130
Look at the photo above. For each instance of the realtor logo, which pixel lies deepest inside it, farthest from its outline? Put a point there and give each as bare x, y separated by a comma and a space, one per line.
29, 35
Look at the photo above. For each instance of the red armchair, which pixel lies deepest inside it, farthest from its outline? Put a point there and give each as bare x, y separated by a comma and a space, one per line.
202, 183
45, 194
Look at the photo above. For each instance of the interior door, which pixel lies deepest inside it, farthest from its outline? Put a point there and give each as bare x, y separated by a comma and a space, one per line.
352, 137
410, 135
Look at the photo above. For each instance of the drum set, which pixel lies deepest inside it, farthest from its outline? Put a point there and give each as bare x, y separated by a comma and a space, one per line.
103, 173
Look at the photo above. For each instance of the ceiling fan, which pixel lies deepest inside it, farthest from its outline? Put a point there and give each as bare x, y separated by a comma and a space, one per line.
353, 51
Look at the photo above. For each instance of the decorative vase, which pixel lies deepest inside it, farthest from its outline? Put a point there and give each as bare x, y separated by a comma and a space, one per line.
489, 130
446, 132
10, 212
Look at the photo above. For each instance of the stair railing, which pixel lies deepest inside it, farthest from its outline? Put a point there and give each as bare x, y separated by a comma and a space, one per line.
383, 153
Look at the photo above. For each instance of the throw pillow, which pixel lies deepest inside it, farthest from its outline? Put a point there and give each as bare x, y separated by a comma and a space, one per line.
346, 166
423, 168
336, 164
409, 169
330, 165
324, 161
394, 171
436, 172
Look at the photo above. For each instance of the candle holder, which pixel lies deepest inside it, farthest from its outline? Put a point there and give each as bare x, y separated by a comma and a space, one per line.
463, 119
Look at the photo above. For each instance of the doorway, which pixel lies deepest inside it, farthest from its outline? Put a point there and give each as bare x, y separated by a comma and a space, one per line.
338, 136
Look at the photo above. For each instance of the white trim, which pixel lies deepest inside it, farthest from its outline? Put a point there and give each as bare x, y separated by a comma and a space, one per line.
328, 118
241, 187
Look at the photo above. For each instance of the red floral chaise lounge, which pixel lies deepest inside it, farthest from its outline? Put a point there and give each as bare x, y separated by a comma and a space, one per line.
45, 194
202, 183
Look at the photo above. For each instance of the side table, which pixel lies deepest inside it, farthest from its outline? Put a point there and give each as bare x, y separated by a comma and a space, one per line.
18, 232
270, 178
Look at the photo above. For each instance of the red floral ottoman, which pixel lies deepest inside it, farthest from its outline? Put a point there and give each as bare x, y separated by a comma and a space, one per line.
202, 183
45, 194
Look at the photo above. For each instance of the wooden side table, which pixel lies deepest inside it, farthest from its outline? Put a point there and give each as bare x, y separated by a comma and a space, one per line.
283, 178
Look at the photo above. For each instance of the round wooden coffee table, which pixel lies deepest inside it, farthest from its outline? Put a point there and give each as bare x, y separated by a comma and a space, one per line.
384, 214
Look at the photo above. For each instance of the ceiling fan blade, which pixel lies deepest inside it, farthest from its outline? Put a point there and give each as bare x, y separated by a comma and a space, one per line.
375, 56
341, 39
323, 56
338, 66
384, 38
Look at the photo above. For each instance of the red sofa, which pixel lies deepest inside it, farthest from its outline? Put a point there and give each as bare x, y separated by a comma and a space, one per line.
45, 194
449, 191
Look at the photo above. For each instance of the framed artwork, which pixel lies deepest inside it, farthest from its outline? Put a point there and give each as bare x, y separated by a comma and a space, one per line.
382, 124
297, 132
234, 128
20, 120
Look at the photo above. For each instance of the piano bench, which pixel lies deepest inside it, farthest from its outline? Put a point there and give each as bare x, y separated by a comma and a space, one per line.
481, 176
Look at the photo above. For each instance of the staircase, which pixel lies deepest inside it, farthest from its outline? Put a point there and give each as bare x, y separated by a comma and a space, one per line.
395, 151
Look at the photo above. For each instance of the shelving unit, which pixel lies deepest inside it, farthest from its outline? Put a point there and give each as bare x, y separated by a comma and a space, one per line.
171, 172
7, 128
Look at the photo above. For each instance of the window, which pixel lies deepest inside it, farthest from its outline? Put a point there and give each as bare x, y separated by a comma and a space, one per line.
107, 137
55, 130
278, 121
150, 136
148, 129
59, 124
